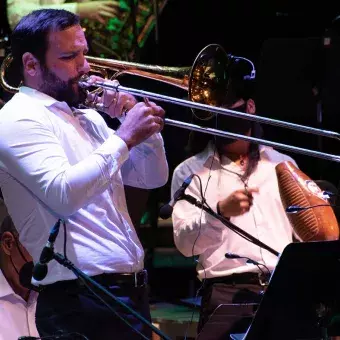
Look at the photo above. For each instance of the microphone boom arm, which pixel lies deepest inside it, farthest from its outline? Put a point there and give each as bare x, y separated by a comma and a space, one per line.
228, 224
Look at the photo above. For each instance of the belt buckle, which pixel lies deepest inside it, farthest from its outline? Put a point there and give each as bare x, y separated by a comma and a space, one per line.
144, 278
261, 281
136, 279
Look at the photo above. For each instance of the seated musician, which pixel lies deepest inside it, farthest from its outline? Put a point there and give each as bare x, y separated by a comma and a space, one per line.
17, 303
239, 182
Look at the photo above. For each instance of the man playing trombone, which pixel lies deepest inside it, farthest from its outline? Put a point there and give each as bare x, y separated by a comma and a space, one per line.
58, 161
238, 180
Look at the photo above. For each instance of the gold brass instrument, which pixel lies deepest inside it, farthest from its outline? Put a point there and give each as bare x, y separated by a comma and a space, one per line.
177, 76
207, 84
4, 66
202, 81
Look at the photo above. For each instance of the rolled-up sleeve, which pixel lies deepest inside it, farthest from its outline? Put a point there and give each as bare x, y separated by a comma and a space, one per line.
147, 165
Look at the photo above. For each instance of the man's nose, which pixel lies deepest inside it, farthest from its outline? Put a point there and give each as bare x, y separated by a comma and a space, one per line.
84, 66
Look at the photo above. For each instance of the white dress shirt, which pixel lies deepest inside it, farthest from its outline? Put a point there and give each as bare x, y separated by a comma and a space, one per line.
56, 164
16, 9
266, 219
17, 317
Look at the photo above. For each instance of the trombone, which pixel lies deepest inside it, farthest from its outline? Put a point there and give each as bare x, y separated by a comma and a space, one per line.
207, 84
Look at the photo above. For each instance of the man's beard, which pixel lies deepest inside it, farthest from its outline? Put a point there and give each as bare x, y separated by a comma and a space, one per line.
63, 91
234, 125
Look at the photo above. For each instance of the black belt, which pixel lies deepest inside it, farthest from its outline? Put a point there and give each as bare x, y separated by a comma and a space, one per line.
138, 279
242, 278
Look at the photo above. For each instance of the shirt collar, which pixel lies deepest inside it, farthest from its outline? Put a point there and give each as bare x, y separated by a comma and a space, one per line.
45, 99
5, 288
209, 154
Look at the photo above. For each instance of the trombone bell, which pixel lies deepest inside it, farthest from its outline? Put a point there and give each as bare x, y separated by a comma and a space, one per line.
206, 81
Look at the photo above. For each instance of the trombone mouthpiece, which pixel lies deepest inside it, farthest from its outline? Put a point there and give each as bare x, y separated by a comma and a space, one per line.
83, 81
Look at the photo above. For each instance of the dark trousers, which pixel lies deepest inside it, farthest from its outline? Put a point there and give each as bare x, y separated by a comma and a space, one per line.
239, 303
69, 306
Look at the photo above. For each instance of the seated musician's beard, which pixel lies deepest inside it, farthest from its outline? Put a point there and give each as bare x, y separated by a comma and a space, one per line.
234, 125
63, 91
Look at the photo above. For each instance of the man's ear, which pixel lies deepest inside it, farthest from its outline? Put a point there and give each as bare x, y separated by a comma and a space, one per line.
30, 64
7, 242
251, 107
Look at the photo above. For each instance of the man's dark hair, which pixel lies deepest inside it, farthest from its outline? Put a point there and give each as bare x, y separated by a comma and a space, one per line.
241, 81
31, 33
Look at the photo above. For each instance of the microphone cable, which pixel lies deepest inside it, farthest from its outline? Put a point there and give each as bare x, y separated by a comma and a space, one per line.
232, 256
199, 232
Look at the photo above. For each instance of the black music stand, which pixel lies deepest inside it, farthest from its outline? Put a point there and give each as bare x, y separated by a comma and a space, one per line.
239, 336
302, 300
224, 320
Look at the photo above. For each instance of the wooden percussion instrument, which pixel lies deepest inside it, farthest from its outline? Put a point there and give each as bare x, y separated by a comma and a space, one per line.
296, 188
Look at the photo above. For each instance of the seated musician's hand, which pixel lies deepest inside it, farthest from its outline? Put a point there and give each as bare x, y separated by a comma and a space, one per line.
99, 11
237, 203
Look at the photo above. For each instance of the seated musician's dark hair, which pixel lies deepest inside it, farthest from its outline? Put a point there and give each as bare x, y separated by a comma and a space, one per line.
31, 33
241, 74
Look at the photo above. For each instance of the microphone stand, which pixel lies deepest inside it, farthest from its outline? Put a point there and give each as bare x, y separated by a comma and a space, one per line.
227, 223
87, 280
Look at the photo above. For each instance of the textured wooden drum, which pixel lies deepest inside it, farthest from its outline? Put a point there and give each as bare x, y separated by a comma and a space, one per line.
296, 188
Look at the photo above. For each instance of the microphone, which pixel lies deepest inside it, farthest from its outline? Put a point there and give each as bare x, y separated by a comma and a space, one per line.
293, 209
40, 269
166, 210
235, 256
329, 194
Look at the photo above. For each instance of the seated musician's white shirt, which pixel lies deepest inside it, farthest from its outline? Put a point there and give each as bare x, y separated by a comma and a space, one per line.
202, 234
17, 317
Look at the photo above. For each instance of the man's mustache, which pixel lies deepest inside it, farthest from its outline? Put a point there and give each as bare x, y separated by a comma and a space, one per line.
76, 79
